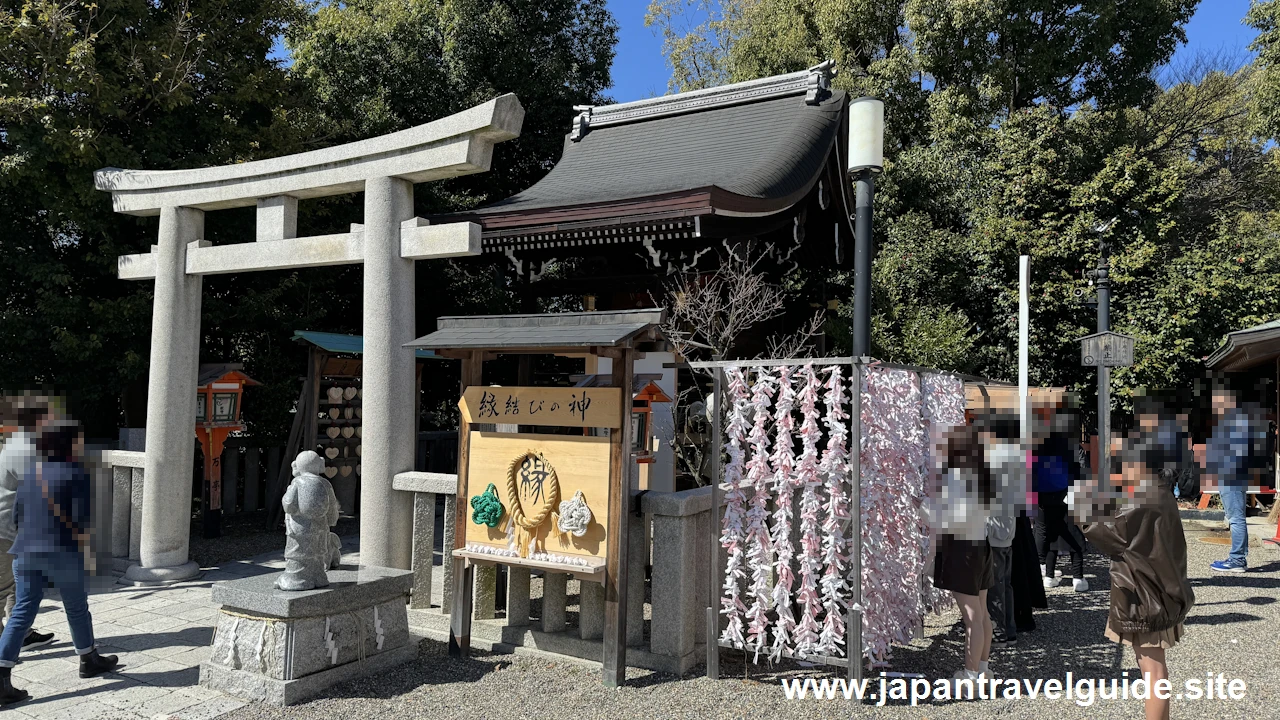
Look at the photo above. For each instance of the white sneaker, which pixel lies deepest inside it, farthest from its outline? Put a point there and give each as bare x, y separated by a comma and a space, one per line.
1050, 583
966, 674
1080, 585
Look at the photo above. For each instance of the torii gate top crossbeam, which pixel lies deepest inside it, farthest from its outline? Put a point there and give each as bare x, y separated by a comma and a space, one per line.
459, 144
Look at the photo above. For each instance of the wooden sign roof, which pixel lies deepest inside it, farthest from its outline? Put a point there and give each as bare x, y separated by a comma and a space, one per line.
543, 331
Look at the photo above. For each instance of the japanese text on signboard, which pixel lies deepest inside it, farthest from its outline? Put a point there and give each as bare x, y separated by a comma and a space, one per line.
564, 407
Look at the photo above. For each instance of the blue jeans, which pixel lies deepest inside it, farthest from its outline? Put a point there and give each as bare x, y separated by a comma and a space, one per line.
32, 572
1233, 503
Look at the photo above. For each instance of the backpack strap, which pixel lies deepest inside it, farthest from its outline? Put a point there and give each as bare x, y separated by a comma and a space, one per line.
55, 509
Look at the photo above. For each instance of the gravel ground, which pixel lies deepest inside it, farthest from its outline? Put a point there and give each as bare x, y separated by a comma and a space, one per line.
1232, 630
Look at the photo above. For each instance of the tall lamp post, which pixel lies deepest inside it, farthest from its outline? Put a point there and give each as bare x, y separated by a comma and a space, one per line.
1105, 349
866, 159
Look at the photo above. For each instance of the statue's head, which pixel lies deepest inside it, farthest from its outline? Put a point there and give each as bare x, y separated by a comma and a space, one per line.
309, 463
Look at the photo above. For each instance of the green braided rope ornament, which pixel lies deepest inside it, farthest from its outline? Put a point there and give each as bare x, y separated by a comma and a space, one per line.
486, 509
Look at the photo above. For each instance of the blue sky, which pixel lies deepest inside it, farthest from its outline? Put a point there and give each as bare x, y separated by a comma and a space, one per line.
639, 70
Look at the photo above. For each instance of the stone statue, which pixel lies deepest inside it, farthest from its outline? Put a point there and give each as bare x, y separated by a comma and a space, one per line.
310, 509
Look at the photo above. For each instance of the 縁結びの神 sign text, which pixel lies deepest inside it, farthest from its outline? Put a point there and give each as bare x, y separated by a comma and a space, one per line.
550, 406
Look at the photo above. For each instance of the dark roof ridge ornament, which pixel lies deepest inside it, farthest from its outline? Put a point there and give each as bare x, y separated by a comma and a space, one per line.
820, 82
814, 84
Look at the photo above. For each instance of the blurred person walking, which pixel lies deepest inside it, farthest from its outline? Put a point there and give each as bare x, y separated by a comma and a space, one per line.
1227, 457
52, 514
17, 458
1009, 472
1054, 470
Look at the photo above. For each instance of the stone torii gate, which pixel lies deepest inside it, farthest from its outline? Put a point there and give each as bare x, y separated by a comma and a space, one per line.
387, 243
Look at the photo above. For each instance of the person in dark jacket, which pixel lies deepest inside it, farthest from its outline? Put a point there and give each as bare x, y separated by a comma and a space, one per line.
1054, 470
1140, 529
52, 515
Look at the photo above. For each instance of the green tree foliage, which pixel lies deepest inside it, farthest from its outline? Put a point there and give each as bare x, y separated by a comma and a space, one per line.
1024, 127
376, 66
159, 85
123, 83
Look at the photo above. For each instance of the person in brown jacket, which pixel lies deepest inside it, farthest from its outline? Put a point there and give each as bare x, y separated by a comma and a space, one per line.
1137, 524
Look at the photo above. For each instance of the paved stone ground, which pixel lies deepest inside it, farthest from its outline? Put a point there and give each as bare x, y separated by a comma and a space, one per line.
161, 636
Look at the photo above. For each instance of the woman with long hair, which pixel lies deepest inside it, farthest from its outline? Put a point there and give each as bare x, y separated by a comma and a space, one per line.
963, 562
52, 515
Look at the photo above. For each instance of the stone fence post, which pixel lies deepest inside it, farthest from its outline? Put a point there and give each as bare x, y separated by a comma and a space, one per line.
425, 487
680, 557
127, 477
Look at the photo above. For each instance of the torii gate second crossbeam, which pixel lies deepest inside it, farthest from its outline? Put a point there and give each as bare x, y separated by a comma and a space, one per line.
385, 168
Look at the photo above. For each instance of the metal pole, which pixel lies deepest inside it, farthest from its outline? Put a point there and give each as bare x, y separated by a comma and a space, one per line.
853, 629
713, 524
865, 193
1104, 373
1024, 353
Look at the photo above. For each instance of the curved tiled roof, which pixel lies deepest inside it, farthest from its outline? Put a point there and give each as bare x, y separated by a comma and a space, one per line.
750, 148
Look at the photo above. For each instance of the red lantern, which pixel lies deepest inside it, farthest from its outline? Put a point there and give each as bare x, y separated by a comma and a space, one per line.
219, 390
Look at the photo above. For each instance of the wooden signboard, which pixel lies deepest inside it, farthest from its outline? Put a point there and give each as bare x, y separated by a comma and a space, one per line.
549, 406
1106, 349
580, 463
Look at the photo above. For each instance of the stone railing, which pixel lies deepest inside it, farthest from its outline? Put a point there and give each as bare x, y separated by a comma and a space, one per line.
426, 488
125, 528
245, 471
673, 534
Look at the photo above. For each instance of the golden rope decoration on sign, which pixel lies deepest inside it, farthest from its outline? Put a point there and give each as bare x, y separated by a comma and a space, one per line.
537, 475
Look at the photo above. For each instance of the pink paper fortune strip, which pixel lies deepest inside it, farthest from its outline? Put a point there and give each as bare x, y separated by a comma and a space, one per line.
759, 480
733, 535
943, 409
808, 479
783, 461
834, 469
893, 481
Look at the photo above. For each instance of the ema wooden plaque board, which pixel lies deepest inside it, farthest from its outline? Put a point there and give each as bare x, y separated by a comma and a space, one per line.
547, 406
580, 463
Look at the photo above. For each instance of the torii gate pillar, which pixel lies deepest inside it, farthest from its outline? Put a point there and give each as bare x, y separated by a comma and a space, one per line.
388, 380
388, 243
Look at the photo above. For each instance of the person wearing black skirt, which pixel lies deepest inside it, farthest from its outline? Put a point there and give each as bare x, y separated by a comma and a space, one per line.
963, 563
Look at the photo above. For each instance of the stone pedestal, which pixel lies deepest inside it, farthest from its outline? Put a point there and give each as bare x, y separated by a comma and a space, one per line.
285, 647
